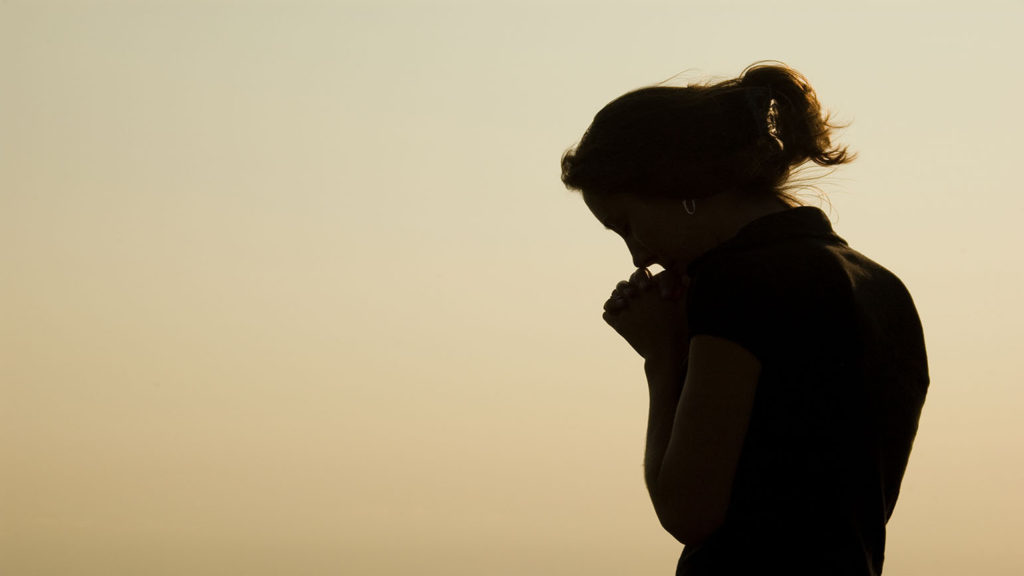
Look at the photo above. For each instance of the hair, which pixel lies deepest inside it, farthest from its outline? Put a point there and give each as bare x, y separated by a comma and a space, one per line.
747, 133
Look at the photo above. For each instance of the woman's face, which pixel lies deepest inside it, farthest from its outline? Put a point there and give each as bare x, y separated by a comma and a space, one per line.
656, 230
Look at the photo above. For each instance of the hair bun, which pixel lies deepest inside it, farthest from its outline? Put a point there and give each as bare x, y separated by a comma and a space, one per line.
744, 133
800, 125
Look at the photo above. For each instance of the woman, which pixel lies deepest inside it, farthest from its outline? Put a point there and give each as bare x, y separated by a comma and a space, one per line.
786, 371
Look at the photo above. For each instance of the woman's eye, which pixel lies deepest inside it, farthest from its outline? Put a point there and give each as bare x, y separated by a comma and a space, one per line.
620, 230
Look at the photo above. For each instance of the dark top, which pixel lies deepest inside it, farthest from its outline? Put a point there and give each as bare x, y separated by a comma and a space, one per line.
843, 380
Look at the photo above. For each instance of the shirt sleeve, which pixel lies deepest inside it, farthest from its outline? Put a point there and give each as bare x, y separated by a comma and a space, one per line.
733, 301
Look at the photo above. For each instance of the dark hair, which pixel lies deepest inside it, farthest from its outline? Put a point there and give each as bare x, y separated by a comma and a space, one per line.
746, 133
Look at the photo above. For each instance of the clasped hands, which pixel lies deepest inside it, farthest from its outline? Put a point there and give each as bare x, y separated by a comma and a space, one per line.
649, 312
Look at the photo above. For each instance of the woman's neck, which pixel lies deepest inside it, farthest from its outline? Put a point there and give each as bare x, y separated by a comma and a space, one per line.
728, 212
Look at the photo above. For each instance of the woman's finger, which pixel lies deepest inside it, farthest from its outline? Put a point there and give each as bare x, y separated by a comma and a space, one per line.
670, 285
615, 304
666, 285
641, 278
609, 318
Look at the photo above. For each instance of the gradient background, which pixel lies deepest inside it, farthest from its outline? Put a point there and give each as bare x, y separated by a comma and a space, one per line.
294, 288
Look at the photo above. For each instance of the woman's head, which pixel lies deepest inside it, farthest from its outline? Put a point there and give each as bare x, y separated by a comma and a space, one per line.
744, 134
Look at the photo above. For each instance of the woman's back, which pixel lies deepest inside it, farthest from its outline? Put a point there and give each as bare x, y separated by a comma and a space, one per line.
843, 380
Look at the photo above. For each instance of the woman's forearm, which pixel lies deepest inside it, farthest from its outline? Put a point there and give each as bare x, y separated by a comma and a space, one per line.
665, 377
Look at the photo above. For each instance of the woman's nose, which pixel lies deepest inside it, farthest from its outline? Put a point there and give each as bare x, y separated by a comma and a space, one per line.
641, 256
642, 261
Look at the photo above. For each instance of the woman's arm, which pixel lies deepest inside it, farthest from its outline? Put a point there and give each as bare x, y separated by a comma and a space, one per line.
695, 434
665, 377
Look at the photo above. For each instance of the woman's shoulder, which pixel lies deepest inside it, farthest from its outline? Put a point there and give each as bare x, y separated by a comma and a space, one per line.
774, 239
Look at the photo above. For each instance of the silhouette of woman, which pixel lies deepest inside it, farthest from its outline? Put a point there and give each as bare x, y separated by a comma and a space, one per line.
787, 371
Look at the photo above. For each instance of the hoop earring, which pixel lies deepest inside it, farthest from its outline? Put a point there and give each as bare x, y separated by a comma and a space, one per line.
690, 208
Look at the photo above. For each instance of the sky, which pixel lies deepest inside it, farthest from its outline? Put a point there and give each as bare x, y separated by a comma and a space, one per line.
295, 287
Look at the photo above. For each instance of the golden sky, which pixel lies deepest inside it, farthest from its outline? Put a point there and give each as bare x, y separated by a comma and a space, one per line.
295, 288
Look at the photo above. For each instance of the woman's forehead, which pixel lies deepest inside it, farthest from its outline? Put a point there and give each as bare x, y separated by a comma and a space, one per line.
605, 207
608, 203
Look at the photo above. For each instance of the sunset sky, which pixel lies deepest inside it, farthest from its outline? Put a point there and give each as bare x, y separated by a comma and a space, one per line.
294, 287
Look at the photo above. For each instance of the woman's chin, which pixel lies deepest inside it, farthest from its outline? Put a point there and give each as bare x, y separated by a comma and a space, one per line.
676, 268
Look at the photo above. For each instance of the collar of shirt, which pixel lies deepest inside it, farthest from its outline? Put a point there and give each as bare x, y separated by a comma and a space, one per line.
806, 221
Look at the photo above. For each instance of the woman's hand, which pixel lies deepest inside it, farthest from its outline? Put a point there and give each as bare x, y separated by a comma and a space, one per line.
650, 313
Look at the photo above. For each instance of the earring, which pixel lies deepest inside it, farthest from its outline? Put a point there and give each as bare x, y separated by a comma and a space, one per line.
690, 208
